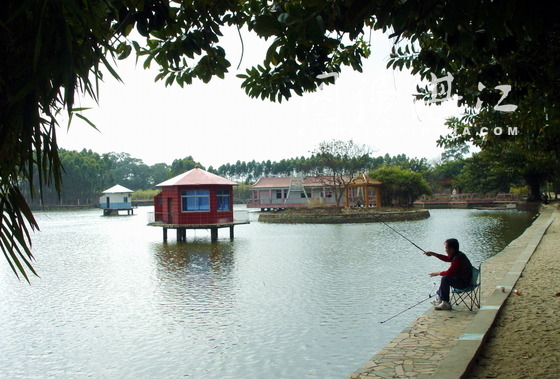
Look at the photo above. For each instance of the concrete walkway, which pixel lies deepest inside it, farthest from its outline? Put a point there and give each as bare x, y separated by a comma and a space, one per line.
443, 344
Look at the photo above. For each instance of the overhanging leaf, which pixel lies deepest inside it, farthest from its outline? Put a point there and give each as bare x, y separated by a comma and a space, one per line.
267, 26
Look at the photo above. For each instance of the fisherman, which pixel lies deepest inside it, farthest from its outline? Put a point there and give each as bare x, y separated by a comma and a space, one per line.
458, 275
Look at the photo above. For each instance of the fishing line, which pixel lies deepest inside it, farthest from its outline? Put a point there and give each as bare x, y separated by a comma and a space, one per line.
400, 234
412, 306
418, 247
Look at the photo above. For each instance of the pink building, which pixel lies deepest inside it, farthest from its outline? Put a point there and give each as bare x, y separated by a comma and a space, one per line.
296, 192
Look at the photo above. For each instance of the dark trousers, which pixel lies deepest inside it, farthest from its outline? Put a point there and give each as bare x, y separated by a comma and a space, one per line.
449, 281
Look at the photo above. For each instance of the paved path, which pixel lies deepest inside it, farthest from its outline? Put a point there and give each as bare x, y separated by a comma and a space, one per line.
443, 344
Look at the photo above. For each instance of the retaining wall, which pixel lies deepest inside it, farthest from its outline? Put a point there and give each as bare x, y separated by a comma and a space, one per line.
340, 218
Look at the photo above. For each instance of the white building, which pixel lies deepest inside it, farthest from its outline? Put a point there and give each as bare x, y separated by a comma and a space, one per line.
115, 199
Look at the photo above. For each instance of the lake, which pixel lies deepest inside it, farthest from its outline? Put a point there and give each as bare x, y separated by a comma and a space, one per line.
279, 301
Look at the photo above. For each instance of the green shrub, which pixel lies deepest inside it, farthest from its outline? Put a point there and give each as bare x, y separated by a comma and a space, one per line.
144, 194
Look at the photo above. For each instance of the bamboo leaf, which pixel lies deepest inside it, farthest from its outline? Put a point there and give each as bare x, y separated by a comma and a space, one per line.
80, 116
109, 67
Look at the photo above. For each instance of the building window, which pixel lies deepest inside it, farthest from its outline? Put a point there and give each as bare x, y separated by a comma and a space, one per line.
125, 199
279, 194
195, 200
303, 195
223, 200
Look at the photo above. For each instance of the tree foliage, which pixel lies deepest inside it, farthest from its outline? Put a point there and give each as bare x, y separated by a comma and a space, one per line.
86, 174
419, 165
532, 154
52, 50
339, 162
401, 187
445, 170
481, 173
178, 166
499, 59
482, 44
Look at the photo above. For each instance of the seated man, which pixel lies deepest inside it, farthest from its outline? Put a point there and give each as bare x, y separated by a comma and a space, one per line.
457, 276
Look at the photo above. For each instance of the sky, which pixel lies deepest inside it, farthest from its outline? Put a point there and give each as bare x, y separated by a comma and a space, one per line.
217, 123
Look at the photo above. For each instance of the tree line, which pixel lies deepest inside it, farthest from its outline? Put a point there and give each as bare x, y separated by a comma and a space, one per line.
86, 174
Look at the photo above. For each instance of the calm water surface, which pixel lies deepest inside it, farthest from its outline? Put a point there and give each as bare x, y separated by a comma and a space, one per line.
280, 301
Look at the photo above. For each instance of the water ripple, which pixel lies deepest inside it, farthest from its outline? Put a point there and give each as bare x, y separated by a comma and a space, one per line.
286, 301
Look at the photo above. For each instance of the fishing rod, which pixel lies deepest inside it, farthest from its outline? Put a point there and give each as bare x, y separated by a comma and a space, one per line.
412, 306
418, 247
400, 234
401, 312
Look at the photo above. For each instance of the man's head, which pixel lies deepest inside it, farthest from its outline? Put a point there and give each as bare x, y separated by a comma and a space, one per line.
451, 246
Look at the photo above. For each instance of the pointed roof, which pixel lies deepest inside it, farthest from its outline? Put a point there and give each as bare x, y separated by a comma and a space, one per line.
196, 177
118, 189
364, 180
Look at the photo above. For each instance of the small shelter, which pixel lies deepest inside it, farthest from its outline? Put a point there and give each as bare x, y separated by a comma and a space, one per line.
361, 190
196, 199
115, 199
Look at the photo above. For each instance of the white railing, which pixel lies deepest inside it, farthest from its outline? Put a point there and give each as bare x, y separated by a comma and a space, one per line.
206, 218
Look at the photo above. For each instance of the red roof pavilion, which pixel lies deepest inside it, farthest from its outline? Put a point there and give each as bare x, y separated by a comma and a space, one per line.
196, 199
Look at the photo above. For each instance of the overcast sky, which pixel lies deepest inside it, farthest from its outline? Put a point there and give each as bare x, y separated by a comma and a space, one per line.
218, 123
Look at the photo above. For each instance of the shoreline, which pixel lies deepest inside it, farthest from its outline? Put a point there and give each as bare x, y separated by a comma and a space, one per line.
524, 340
447, 344
322, 217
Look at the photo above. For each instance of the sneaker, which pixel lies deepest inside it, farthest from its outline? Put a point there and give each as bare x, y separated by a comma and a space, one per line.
436, 301
444, 306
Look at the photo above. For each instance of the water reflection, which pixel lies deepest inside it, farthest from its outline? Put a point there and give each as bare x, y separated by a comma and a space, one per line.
195, 256
287, 301
195, 279
490, 231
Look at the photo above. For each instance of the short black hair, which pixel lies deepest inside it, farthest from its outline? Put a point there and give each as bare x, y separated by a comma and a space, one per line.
452, 243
